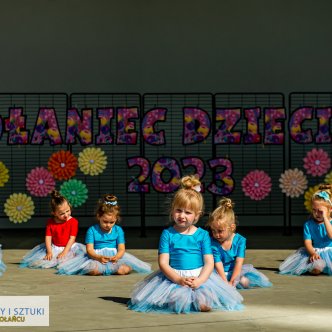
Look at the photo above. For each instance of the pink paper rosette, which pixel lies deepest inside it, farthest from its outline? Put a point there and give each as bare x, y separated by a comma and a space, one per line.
40, 182
317, 162
256, 185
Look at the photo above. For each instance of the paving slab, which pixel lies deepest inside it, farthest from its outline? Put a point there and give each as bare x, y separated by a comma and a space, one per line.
86, 303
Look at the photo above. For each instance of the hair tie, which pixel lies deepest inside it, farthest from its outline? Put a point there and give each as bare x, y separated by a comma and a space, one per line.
324, 195
197, 188
111, 203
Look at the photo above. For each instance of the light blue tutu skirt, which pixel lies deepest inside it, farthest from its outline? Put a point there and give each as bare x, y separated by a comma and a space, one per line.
2, 264
298, 263
156, 293
34, 259
85, 265
255, 278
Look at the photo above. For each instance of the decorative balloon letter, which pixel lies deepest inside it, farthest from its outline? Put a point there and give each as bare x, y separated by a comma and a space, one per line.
162, 165
137, 185
196, 125
46, 128
324, 116
223, 178
252, 136
80, 127
229, 118
149, 134
274, 131
13, 124
105, 136
126, 133
295, 123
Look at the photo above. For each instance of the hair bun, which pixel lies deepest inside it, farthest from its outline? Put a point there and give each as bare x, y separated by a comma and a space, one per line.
109, 198
325, 186
226, 203
189, 182
55, 194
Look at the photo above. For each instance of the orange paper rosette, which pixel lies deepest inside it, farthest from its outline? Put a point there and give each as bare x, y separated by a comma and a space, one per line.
62, 165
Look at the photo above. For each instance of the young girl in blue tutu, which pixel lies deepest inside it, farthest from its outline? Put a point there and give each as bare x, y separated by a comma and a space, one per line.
186, 281
229, 249
316, 255
105, 246
2, 264
60, 236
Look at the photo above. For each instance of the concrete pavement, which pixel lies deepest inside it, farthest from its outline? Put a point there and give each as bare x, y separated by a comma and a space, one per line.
85, 303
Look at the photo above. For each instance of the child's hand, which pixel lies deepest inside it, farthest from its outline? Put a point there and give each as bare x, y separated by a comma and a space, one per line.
232, 283
195, 283
104, 259
325, 211
186, 282
62, 254
114, 259
48, 256
314, 257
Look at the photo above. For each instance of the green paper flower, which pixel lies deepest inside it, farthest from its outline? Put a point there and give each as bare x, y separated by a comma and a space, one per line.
75, 191
19, 208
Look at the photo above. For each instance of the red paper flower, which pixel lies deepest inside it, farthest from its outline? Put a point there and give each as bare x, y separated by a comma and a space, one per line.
62, 165
40, 182
317, 162
256, 184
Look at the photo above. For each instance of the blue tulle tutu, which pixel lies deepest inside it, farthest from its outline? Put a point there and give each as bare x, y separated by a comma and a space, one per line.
255, 278
34, 259
2, 264
85, 265
298, 263
156, 293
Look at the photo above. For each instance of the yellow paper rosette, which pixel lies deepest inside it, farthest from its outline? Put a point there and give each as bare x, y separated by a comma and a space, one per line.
19, 207
92, 161
4, 174
328, 178
308, 196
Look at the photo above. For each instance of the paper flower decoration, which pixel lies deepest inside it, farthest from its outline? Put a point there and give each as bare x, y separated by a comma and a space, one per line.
256, 184
92, 161
40, 182
308, 196
328, 178
4, 174
293, 182
75, 191
62, 165
317, 162
19, 207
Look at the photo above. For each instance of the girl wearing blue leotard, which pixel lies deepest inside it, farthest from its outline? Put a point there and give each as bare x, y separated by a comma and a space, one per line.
186, 282
316, 255
229, 249
105, 246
